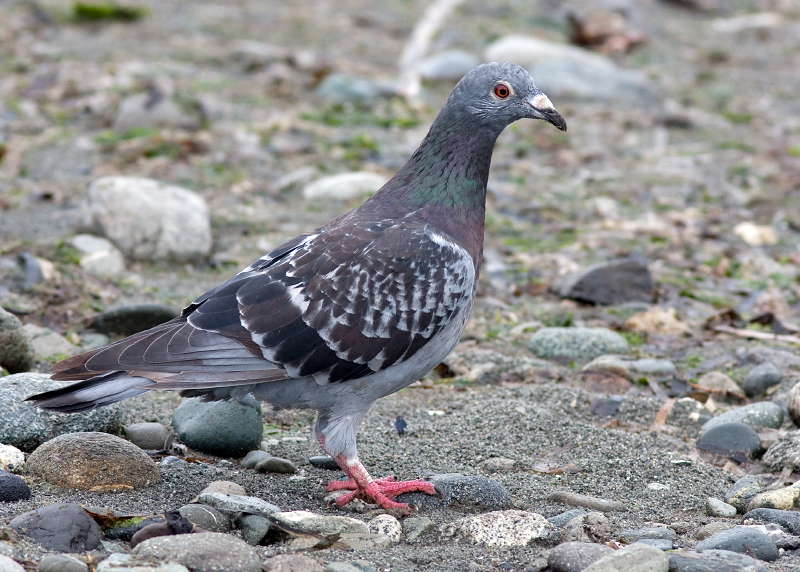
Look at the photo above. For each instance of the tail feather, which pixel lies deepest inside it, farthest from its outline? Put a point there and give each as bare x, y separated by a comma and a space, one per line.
101, 390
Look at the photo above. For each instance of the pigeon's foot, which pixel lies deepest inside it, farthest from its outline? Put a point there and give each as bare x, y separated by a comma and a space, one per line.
377, 491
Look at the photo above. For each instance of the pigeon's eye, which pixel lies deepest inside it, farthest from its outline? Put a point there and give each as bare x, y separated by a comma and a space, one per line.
501, 90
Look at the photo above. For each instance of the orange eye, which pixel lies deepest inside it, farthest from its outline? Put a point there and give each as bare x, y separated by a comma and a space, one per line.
501, 91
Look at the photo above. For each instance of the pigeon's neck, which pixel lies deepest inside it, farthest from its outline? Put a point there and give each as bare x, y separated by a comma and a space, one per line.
444, 181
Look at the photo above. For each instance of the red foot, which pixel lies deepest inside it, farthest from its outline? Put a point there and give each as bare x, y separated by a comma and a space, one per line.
380, 492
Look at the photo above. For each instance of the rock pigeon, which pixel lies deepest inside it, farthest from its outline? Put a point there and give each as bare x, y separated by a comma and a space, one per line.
345, 314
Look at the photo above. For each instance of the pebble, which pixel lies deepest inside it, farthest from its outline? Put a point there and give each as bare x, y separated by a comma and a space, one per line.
254, 528
237, 503
98, 255
743, 491
715, 507
225, 428
576, 343
149, 220
345, 186
13, 488
744, 540
615, 282
782, 499
450, 65
792, 403
93, 461
758, 416
416, 526
8, 565
657, 532
591, 527
16, 351
731, 440
344, 88
305, 521
152, 436
119, 562
11, 458
500, 528
173, 461
386, 524
761, 377
253, 457
61, 563
592, 503
63, 527
356, 541
463, 490
205, 552
206, 517
637, 557
712, 528
292, 563
93, 341
713, 561
324, 462
47, 344
660, 543
132, 318
563, 518
575, 556
789, 520
784, 451
144, 110
716, 381
275, 465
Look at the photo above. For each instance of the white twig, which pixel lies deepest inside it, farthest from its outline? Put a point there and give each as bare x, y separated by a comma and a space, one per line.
418, 44
756, 335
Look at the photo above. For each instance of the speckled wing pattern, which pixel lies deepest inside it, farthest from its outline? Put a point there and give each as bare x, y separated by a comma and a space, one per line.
337, 304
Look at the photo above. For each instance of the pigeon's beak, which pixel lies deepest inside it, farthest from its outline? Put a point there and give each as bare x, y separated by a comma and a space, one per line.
541, 108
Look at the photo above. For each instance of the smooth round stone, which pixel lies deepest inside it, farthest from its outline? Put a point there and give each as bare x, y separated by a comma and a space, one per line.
225, 428
13, 488
761, 378
660, 543
473, 490
292, 563
789, 520
743, 491
61, 563
636, 557
275, 465
659, 532
731, 440
253, 457
224, 487
205, 552
782, 452
712, 528
782, 499
206, 517
500, 529
9, 565
254, 528
742, 539
563, 518
11, 458
715, 507
173, 461
575, 556
152, 436
237, 503
757, 416
713, 561
576, 343
63, 527
123, 562
653, 366
386, 524
324, 462
133, 318
16, 351
718, 381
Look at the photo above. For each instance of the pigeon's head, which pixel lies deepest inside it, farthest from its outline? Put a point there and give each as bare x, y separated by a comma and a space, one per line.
499, 93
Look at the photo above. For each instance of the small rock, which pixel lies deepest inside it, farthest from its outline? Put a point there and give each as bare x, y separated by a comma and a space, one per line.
16, 350
149, 220
93, 461
224, 428
173, 461
718, 382
658, 532
386, 524
754, 234
657, 487
591, 527
617, 365
743, 491
47, 344
153, 109
782, 499
342, 567
254, 457
712, 528
225, 488
8, 565
651, 366
62, 527
783, 452
715, 507
292, 563
758, 416
356, 541
305, 521
498, 464
415, 527
713, 561
792, 403
657, 321
575, 556
237, 503
637, 557
450, 65
254, 528
151, 436
13, 488
61, 563
592, 503
742, 539
11, 458
122, 562
789, 520
93, 341
324, 462
732, 440
615, 282
99, 256
577, 343
345, 186
761, 378
500, 528
343, 88
563, 518
205, 552
206, 517
660, 543
275, 465
132, 318
256, 55
461, 490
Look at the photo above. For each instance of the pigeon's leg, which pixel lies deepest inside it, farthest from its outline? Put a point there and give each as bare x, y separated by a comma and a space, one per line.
377, 491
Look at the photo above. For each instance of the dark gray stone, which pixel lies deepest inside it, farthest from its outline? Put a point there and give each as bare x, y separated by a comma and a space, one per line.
205, 552
761, 378
206, 517
732, 440
789, 520
462, 490
576, 343
132, 319
13, 488
26, 427
275, 465
61, 563
152, 436
661, 532
16, 351
254, 528
713, 561
784, 451
616, 282
253, 457
61, 527
764, 414
563, 518
324, 462
224, 428
742, 539
575, 556
743, 491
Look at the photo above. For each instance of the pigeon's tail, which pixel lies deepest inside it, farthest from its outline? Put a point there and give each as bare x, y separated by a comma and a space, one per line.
100, 390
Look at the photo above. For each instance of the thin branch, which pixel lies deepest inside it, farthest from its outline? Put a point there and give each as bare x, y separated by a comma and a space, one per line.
756, 335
